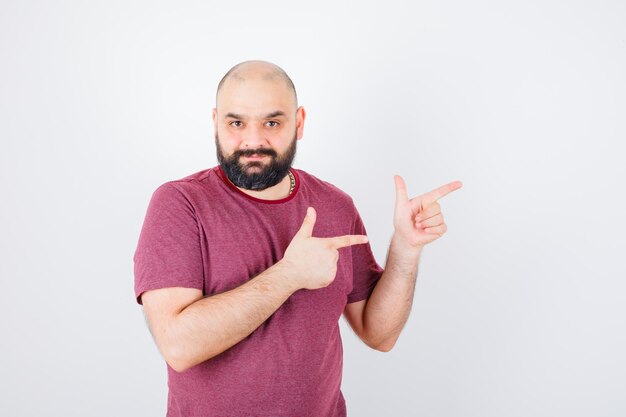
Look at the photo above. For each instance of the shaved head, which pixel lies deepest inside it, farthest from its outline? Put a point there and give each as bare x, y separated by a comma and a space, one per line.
257, 124
256, 69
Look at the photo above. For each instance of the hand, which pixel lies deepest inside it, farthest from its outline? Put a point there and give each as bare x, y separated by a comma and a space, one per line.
419, 221
312, 261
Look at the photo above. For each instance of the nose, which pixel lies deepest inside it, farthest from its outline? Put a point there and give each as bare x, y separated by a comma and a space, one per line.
254, 138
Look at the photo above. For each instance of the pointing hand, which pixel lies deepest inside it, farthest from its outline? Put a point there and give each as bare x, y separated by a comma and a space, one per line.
312, 261
419, 221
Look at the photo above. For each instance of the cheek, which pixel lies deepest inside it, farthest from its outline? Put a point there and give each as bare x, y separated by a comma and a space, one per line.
228, 139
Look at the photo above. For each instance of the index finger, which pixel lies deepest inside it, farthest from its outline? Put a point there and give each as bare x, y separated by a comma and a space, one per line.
346, 240
437, 193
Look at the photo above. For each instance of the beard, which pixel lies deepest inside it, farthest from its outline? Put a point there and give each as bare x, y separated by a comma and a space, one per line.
268, 175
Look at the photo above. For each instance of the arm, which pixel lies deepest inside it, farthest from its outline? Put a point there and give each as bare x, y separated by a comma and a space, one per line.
189, 329
379, 320
205, 328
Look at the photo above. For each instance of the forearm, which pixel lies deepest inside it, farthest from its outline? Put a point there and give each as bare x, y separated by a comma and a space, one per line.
387, 309
213, 324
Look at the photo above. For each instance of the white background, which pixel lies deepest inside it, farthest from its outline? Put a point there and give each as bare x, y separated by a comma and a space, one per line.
519, 308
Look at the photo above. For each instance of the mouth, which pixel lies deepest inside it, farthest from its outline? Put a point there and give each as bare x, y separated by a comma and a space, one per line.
255, 156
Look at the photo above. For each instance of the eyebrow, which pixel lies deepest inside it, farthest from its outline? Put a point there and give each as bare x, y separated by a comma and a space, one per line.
267, 116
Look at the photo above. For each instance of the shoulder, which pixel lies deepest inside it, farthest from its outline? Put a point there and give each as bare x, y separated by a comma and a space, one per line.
189, 186
324, 190
313, 181
183, 196
203, 177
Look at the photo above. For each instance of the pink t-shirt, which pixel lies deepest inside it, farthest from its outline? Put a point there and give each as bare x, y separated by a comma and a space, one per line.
202, 232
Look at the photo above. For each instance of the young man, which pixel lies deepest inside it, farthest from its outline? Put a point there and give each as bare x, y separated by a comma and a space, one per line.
244, 269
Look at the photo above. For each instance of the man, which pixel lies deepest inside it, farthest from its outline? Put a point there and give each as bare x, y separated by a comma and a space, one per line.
244, 269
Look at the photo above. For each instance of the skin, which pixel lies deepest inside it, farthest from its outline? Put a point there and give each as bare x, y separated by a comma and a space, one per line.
189, 328
253, 93
379, 320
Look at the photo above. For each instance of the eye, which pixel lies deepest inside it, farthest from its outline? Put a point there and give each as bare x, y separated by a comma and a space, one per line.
233, 123
273, 121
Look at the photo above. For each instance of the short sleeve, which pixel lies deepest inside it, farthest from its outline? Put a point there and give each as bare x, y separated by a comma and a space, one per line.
366, 271
168, 253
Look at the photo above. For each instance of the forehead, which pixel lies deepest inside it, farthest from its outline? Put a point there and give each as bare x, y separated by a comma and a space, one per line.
255, 97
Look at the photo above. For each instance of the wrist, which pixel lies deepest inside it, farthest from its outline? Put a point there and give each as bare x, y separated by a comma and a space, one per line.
284, 272
404, 248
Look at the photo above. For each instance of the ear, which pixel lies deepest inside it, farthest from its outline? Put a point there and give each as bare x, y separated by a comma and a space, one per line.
214, 116
300, 116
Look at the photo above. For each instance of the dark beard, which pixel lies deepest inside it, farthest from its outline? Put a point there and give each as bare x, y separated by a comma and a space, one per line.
269, 175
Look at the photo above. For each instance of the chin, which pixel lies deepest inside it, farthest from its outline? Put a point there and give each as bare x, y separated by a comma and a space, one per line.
255, 167
254, 164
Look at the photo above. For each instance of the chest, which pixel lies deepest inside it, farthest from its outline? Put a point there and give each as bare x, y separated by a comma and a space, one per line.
239, 242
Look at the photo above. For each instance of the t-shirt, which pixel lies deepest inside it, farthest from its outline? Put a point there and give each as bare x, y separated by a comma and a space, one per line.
203, 232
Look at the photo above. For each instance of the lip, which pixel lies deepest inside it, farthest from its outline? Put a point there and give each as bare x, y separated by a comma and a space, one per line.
255, 157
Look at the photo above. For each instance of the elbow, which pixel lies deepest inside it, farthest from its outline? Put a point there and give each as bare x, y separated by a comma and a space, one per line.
381, 345
177, 364
181, 363
176, 361
384, 347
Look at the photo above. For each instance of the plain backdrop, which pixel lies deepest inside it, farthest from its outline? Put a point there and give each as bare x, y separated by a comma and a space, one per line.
519, 308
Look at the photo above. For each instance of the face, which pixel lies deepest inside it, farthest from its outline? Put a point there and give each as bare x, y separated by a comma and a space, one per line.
248, 168
257, 127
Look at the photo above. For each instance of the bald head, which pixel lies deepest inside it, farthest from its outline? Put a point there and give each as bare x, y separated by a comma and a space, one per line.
257, 70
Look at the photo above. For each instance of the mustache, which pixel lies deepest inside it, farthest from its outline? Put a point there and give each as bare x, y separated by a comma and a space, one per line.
250, 152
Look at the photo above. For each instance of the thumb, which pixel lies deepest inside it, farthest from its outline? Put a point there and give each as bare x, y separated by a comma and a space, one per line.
306, 230
401, 193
